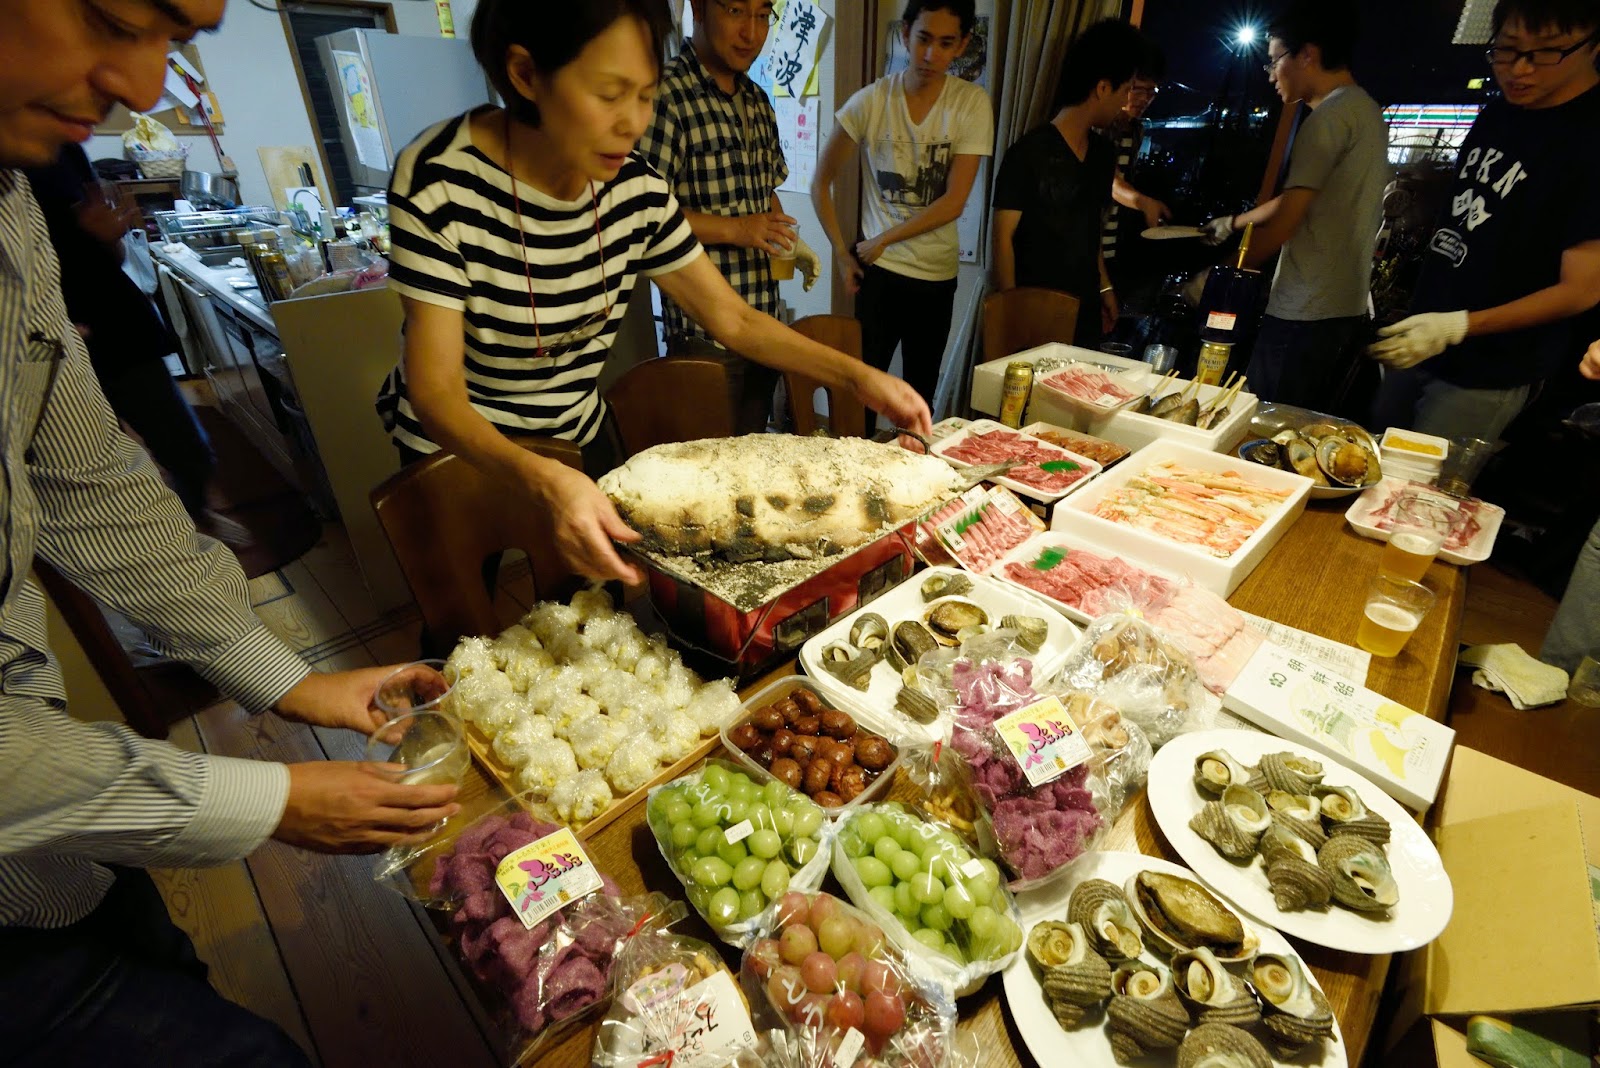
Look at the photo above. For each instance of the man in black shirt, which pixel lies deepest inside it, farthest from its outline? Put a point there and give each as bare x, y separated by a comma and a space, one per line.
127, 340
1518, 258
1054, 183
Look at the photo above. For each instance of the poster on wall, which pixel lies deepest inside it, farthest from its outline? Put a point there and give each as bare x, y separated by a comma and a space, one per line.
797, 135
787, 66
360, 111
973, 66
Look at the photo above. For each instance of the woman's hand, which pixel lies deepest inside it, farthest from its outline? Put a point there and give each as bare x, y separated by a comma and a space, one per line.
1590, 367
893, 399
586, 524
1110, 311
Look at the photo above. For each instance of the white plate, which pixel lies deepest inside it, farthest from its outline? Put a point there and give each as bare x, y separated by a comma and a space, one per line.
905, 602
1168, 233
942, 448
1088, 1044
1029, 551
1426, 897
1475, 552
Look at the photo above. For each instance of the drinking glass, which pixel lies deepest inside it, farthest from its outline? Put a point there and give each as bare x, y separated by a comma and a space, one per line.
1161, 358
1117, 348
1418, 527
416, 687
429, 747
1463, 465
1395, 608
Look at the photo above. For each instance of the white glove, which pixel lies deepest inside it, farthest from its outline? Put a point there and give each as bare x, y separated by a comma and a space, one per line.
808, 262
1421, 337
1218, 230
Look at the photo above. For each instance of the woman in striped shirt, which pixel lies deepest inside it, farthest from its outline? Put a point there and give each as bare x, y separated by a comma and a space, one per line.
518, 235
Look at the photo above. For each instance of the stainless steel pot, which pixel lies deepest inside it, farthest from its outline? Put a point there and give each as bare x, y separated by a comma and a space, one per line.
206, 190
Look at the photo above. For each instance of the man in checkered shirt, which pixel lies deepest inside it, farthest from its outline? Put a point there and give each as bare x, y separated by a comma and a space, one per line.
714, 139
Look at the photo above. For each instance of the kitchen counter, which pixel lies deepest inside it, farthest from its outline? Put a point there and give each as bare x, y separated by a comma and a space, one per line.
246, 302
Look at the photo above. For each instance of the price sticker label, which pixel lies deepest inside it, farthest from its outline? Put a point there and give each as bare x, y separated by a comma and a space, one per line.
546, 876
849, 1048
972, 868
1221, 321
1006, 504
739, 832
1044, 740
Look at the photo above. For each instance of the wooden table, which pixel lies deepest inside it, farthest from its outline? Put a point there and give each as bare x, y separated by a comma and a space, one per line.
1315, 579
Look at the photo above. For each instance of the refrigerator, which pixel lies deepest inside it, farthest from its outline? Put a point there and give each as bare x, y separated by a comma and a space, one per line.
387, 88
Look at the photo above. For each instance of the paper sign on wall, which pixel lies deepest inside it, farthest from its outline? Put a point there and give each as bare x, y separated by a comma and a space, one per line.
361, 112
797, 136
788, 64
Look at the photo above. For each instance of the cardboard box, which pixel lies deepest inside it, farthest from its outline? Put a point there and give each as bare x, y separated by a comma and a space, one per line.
1507, 835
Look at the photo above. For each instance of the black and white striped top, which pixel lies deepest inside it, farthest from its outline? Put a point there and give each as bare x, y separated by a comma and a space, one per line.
453, 230
78, 493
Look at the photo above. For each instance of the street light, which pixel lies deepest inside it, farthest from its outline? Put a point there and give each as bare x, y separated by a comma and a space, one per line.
1247, 35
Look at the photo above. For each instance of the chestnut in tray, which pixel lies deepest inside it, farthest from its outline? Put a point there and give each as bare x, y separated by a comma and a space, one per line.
818, 750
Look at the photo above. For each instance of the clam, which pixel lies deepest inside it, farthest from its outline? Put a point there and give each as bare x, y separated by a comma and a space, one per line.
1031, 630
869, 632
945, 584
1100, 908
1216, 770
949, 618
1344, 462
1211, 992
1289, 772
1315, 432
1234, 824
1299, 806
1302, 458
909, 640
1145, 1013
1075, 978
1343, 812
848, 664
1181, 914
1266, 452
917, 704
1286, 437
1216, 1045
1293, 1010
1298, 884
1361, 877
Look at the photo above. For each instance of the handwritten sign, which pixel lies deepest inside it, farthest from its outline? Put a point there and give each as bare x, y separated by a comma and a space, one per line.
702, 1026
1045, 741
791, 52
544, 877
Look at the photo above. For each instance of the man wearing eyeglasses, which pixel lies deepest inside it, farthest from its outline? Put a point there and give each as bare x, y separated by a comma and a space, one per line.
1517, 256
1131, 211
714, 138
1326, 219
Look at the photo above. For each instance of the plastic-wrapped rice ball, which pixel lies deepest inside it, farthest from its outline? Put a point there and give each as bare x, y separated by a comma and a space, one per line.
479, 690
629, 648
603, 635
567, 647
592, 603
651, 667
499, 715
593, 665
581, 797
571, 712
471, 656
515, 638
633, 765
516, 743
677, 734
547, 766
713, 704
678, 687
595, 739
612, 690
527, 666
549, 618
553, 687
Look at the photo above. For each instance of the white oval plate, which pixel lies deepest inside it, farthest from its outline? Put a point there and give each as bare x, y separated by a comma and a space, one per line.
1426, 897
1088, 1044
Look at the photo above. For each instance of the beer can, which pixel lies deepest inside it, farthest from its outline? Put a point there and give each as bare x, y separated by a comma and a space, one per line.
1014, 392
1213, 362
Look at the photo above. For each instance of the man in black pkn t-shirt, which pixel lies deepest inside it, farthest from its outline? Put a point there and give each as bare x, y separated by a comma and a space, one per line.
1054, 183
1517, 257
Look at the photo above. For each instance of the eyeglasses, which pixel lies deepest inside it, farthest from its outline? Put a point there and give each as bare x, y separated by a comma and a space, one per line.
743, 12
1272, 63
1502, 56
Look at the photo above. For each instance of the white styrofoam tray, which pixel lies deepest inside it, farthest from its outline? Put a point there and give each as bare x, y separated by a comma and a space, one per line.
1125, 428
1029, 551
1475, 551
942, 447
1220, 575
905, 602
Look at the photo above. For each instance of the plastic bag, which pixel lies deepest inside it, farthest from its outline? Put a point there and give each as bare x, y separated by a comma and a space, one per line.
1217, 635
674, 1002
1126, 662
937, 902
779, 841
827, 975
148, 139
1121, 751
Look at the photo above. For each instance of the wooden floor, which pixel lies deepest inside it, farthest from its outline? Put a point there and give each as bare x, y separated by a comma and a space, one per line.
357, 975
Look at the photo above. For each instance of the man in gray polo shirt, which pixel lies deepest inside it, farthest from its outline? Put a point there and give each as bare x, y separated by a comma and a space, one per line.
1327, 217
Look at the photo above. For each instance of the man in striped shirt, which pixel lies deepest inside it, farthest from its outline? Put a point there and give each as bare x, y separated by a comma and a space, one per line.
91, 968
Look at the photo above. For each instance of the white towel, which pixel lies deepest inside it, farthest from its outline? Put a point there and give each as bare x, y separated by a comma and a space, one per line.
1506, 668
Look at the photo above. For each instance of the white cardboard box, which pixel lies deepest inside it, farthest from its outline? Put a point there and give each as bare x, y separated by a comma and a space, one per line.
1220, 575
1125, 428
1402, 750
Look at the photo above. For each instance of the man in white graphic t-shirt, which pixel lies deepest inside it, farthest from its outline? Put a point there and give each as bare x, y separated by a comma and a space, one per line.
921, 134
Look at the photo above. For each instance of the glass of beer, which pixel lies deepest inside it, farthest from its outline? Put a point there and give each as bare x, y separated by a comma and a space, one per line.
420, 686
1395, 608
1418, 527
429, 748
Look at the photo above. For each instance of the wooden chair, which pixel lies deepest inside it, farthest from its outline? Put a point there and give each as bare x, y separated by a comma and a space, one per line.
1024, 318
847, 416
444, 519
672, 398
